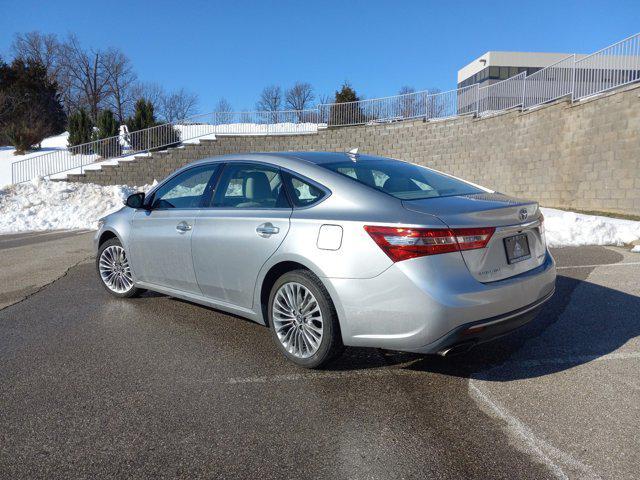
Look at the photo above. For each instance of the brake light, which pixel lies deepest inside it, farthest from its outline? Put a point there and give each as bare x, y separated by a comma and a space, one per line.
542, 231
403, 243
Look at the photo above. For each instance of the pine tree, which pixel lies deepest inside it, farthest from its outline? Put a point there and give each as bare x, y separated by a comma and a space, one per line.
346, 94
150, 139
108, 145
30, 107
80, 131
143, 116
143, 119
107, 124
346, 115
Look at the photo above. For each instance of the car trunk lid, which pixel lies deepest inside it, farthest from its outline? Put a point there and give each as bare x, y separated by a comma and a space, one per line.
517, 228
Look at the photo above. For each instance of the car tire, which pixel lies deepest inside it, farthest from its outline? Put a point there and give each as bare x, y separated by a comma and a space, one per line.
307, 332
114, 270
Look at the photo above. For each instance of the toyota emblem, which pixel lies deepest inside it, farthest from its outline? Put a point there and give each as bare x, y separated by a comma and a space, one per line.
523, 214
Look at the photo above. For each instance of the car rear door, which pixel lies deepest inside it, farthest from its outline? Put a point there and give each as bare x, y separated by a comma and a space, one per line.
161, 236
245, 224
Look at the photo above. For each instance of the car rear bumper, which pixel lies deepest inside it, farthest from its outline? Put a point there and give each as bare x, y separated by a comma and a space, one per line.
466, 336
423, 304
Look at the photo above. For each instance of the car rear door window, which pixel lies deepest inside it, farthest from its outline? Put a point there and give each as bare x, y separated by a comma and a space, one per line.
249, 185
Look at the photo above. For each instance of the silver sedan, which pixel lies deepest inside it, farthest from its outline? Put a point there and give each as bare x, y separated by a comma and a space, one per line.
334, 249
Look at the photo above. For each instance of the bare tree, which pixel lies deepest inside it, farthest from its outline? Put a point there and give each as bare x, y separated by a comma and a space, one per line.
223, 105
299, 97
40, 47
46, 49
270, 101
121, 81
326, 98
408, 105
150, 91
223, 111
178, 104
436, 104
87, 77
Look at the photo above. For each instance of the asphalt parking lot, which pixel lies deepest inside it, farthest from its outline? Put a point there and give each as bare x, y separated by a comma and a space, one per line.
92, 386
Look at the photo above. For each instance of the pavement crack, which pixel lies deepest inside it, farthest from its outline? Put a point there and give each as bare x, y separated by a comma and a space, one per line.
46, 285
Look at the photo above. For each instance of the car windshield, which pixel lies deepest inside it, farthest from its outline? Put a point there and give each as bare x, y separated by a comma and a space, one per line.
405, 181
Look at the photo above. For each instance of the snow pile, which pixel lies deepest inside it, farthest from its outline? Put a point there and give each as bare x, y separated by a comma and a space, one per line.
47, 205
573, 229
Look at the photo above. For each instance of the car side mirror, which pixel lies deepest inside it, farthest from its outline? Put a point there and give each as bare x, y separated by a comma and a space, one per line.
135, 200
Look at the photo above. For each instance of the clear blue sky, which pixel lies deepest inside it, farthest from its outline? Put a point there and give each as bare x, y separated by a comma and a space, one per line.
233, 49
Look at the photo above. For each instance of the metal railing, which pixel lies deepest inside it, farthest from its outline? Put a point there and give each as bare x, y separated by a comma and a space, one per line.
580, 77
500, 96
611, 67
550, 83
424, 104
167, 135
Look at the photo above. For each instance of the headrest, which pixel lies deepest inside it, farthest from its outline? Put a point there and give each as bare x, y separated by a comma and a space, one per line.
399, 184
256, 186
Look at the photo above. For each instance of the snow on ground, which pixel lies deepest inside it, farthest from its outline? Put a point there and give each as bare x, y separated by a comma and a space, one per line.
47, 205
7, 157
574, 229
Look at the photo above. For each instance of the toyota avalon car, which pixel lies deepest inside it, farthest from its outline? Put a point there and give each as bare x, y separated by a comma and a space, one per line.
334, 249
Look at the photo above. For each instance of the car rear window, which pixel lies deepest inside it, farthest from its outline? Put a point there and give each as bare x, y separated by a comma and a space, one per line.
405, 181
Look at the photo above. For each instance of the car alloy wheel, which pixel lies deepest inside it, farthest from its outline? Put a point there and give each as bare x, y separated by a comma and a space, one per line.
114, 269
297, 320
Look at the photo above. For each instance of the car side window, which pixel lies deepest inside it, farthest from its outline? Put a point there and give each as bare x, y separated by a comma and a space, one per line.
304, 193
190, 189
249, 185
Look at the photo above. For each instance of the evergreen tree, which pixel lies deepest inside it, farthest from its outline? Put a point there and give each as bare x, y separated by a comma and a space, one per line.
346, 94
343, 114
149, 139
107, 133
80, 131
107, 124
30, 107
143, 116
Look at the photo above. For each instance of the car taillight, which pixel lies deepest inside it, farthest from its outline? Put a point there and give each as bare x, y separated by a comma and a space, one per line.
403, 243
541, 229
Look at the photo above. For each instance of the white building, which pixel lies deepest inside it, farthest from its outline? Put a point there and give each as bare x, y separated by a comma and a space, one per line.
495, 66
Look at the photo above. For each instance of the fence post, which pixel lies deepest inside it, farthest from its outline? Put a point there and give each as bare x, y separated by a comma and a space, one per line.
426, 107
573, 79
477, 99
524, 89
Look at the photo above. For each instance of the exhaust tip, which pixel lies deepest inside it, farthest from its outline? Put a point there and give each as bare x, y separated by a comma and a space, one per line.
456, 349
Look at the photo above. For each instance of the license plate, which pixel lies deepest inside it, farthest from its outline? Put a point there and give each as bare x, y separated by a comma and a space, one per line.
517, 248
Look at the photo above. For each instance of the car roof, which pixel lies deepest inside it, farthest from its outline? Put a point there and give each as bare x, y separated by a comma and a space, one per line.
317, 158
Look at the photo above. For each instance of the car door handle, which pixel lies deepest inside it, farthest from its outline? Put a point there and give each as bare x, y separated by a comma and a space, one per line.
183, 227
267, 229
